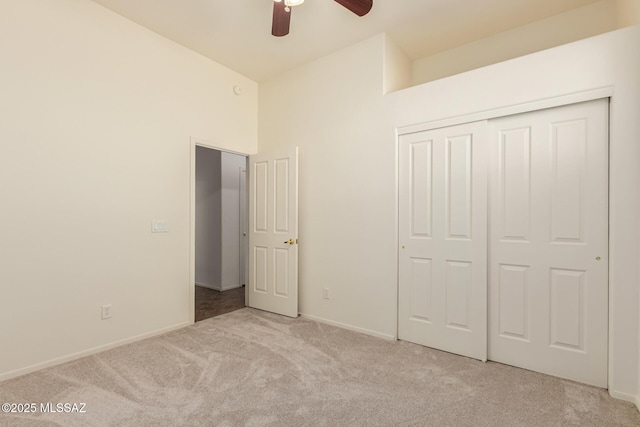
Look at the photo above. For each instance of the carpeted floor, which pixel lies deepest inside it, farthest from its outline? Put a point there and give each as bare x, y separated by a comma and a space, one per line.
250, 368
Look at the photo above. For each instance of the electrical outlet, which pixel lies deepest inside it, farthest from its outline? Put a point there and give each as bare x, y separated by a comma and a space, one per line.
106, 311
325, 293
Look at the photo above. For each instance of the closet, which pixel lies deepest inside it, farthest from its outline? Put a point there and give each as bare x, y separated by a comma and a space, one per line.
503, 234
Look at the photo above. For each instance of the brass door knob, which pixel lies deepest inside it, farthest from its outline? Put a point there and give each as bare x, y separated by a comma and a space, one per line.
290, 241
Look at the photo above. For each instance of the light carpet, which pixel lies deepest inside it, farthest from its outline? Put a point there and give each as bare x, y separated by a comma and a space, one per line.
250, 368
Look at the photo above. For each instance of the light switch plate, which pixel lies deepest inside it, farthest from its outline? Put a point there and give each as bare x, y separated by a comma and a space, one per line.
159, 226
106, 311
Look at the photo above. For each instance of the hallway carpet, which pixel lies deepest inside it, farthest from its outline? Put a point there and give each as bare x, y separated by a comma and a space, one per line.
250, 368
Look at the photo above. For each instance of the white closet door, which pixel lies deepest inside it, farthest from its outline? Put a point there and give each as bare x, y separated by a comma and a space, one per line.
548, 243
442, 229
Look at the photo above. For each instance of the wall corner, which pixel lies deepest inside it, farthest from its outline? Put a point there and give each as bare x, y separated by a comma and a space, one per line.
396, 67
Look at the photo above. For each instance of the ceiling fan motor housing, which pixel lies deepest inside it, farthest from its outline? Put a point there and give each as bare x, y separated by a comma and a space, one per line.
282, 12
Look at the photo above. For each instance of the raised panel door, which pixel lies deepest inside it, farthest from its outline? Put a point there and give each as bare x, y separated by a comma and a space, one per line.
273, 232
548, 287
442, 229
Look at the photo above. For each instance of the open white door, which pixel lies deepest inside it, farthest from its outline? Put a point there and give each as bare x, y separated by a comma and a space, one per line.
443, 234
273, 232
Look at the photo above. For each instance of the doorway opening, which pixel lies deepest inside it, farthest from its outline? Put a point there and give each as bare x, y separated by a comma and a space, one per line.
220, 232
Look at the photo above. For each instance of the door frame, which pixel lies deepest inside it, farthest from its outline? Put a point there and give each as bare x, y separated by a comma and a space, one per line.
244, 229
574, 98
198, 142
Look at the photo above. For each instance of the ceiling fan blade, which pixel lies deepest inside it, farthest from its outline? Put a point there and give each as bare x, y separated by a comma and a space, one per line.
359, 7
281, 19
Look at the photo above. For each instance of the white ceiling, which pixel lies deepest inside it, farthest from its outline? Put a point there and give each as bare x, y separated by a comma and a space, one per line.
237, 33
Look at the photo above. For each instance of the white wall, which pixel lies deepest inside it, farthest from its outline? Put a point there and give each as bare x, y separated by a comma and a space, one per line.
96, 115
230, 194
345, 129
208, 205
396, 67
334, 111
577, 24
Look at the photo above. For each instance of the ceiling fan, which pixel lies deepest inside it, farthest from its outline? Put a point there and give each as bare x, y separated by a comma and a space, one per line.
282, 12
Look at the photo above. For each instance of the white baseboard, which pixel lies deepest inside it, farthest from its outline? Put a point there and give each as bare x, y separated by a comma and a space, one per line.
89, 352
349, 327
625, 396
214, 287
219, 288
